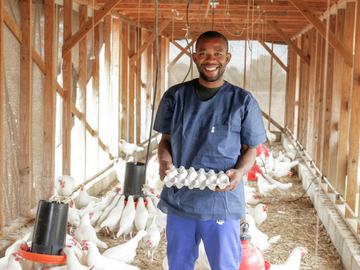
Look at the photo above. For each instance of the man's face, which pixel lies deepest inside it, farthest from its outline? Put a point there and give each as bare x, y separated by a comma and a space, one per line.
211, 58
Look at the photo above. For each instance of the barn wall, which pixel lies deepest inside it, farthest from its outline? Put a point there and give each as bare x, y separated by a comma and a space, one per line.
64, 114
327, 125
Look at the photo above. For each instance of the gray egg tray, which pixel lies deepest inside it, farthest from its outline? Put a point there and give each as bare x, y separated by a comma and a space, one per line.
196, 179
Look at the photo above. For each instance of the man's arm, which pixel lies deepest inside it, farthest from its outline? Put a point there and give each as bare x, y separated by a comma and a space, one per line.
243, 165
164, 155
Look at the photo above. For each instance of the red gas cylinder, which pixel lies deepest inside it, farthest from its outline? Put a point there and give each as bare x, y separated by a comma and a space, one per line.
252, 173
262, 148
252, 258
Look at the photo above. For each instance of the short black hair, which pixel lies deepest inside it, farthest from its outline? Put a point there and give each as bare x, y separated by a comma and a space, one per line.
213, 34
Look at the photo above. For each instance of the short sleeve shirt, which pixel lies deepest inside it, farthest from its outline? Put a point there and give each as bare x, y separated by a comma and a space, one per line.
209, 135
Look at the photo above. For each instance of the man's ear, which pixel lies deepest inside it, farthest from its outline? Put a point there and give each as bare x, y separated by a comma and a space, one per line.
228, 57
194, 57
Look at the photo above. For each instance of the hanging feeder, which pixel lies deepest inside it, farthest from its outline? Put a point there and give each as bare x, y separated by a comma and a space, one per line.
262, 148
134, 179
49, 236
252, 173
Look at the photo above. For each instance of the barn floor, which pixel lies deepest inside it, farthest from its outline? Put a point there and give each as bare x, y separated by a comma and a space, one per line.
295, 221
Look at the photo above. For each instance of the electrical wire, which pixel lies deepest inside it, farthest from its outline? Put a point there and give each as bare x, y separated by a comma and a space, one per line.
202, 28
156, 82
188, 33
312, 181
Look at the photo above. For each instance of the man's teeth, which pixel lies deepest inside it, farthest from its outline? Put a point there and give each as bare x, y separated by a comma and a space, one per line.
211, 69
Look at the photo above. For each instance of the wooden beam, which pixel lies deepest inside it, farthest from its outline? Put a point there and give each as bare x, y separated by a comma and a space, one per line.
345, 100
336, 101
272, 121
95, 97
270, 86
273, 55
115, 85
319, 25
67, 85
105, 89
148, 70
184, 50
83, 59
124, 79
304, 57
49, 100
88, 26
311, 95
1, 113
150, 40
180, 47
328, 97
25, 151
132, 86
138, 95
15, 29
352, 186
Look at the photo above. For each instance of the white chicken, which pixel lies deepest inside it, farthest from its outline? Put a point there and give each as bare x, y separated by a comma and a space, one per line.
280, 186
106, 212
72, 262
64, 186
129, 148
270, 136
125, 252
111, 223
258, 238
141, 215
259, 213
265, 188
293, 261
127, 218
87, 232
104, 263
84, 198
153, 236
11, 262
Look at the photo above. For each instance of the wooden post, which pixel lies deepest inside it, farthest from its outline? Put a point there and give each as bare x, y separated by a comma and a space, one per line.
25, 162
131, 87
115, 82
336, 101
311, 90
352, 185
67, 84
1, 112
49, 100
95, 93
144, 74
124, 78
139, 63
83, 58
345, 99
328, 101
298, 90
149, 83
270, 90
290, 101
318, 70
105, 89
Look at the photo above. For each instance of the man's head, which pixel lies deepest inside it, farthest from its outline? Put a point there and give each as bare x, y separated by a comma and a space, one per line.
211, 58
212, 34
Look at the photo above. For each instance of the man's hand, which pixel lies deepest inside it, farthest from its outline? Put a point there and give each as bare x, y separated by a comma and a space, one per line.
164, 169
234, 177
164, 156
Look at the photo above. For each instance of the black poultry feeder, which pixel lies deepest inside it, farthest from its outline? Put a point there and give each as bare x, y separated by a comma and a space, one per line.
134, 179
49, 236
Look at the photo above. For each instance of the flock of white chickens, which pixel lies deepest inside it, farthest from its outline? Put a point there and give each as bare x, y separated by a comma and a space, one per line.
143, 222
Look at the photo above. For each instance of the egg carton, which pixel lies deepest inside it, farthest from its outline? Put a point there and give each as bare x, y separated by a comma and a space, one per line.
196, 179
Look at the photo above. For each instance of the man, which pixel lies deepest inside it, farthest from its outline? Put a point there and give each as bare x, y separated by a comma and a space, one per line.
207, 123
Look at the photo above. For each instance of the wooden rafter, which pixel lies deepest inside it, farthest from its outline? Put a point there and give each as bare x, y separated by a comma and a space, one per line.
319, 25
88, 26
148, 42
180, 47
183, 51
273, 54
272, 121
299, 52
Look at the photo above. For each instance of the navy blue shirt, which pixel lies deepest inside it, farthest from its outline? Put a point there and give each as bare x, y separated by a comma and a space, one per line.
209, 135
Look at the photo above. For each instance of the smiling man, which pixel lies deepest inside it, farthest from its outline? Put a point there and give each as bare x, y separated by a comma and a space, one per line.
211, 124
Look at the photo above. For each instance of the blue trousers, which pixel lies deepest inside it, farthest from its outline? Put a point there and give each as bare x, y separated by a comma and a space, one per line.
222, 243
